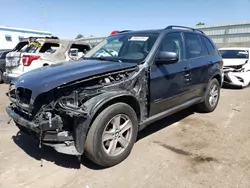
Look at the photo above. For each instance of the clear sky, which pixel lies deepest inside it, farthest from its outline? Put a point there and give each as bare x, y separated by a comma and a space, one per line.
67, 18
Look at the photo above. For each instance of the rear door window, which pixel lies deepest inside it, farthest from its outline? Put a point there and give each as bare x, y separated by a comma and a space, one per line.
193, 46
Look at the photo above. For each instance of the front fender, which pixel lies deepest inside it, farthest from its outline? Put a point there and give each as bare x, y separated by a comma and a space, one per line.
95, 103
92, 106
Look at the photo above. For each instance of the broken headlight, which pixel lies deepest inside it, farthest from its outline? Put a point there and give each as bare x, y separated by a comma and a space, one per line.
70, 101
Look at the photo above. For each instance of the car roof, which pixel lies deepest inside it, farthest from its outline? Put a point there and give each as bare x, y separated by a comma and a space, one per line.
158, 31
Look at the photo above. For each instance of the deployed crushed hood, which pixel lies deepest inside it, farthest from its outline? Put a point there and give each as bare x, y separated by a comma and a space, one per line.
46, 78
234, 62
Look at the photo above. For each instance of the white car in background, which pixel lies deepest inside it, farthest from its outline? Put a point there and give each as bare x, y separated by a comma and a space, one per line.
236, 66
34, 53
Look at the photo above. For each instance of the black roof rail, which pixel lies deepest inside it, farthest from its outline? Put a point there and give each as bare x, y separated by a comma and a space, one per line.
124, 31
183, 27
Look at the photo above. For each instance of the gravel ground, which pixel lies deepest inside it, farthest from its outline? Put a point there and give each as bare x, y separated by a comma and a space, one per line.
185, 150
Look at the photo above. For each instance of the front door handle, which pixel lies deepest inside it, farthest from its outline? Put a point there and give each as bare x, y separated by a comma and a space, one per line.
186, 71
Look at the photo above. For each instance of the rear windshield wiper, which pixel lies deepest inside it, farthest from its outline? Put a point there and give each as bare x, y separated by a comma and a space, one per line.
103, 59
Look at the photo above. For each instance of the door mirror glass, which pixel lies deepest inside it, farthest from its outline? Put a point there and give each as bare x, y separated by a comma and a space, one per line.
164, 57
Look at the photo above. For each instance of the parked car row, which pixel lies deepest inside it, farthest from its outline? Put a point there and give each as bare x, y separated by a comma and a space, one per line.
32, 53
3, 54
97, 105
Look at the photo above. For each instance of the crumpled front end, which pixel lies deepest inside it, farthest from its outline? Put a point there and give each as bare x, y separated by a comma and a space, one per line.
238, 75
41, 123
61, 117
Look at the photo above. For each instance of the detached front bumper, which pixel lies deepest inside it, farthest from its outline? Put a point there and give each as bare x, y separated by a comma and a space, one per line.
237, 79
47, 133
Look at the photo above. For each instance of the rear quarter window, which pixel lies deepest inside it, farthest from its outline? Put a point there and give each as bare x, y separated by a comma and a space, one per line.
193, 46
210, 47
49, 48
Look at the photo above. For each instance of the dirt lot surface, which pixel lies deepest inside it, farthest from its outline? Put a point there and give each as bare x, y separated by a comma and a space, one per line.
185, 150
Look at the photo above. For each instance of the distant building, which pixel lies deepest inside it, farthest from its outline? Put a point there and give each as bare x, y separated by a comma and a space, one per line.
224, 35
233, 34
10, 36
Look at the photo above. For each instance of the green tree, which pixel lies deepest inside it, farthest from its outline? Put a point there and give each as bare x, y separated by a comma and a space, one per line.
200, 23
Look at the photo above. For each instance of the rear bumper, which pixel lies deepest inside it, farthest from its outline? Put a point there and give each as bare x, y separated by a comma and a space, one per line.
61, 141
8, 78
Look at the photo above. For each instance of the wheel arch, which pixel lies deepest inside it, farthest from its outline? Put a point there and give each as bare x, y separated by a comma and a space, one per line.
94, 107
218, 77
107, 101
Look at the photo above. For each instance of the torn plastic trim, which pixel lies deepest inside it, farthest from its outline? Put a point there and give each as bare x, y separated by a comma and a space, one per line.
135, 86
72, 103
20, 120
109, 93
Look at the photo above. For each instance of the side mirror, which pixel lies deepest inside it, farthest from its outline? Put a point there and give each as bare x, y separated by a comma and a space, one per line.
166, 57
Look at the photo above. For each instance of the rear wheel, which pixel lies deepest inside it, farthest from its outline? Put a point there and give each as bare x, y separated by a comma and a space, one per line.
211, 97
112, 135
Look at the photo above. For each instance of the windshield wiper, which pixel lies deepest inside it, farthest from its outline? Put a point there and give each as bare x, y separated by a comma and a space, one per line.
104, 59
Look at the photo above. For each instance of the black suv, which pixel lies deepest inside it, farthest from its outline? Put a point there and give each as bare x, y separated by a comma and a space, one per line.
96, 106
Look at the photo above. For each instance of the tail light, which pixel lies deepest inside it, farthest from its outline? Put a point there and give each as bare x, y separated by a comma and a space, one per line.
27, 59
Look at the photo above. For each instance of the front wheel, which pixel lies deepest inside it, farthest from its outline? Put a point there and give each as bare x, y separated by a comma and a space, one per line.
211, 97
112, 135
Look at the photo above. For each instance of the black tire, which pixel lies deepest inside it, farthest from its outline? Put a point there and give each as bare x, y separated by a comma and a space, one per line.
206, 106
1, 77
94, 145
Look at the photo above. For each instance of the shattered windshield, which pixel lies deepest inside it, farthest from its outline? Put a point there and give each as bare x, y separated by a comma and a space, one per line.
234, 54
125, 47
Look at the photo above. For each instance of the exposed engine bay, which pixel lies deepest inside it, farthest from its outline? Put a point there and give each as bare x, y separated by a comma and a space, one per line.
61, 117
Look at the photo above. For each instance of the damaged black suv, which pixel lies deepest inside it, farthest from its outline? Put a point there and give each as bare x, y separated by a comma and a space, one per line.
97, 105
